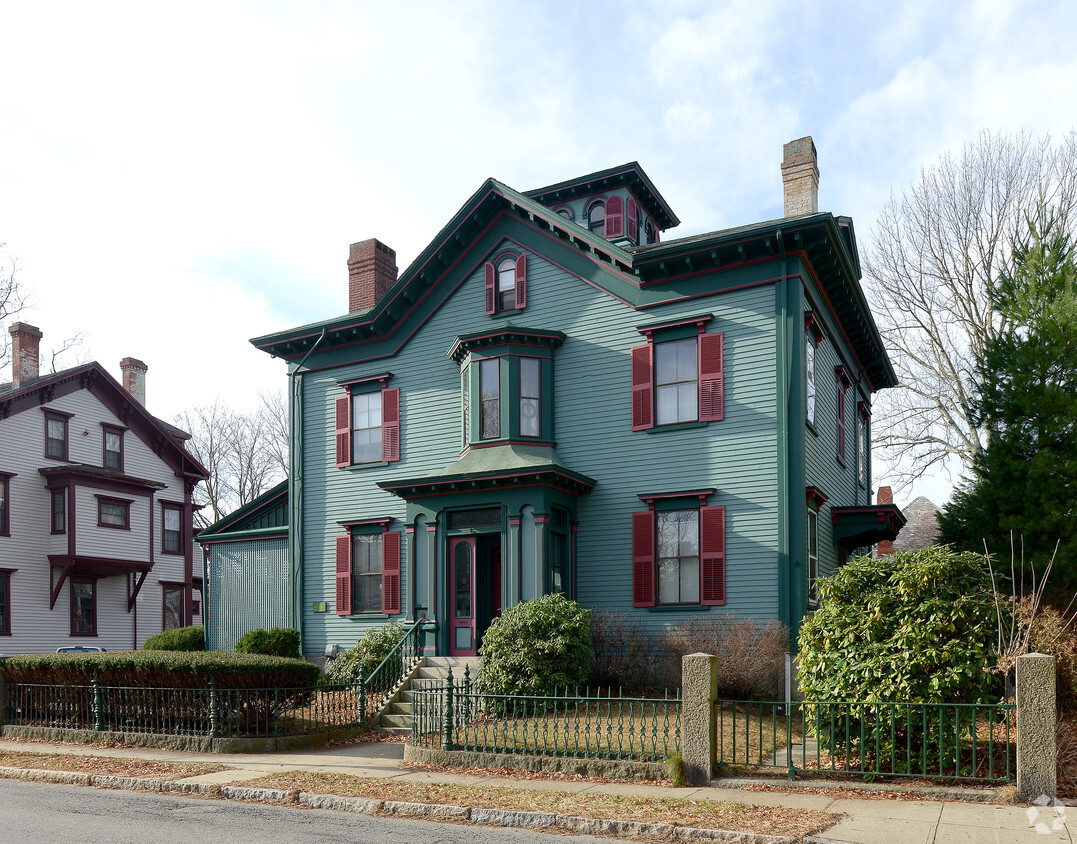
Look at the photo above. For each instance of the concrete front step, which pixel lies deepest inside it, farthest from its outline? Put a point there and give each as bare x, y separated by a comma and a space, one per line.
431, 673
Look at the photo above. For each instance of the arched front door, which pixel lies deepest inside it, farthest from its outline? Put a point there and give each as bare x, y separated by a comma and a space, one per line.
462, 596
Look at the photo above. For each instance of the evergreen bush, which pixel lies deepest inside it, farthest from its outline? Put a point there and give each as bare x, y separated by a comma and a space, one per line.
178, 639
278, 641
367, 654
537, 647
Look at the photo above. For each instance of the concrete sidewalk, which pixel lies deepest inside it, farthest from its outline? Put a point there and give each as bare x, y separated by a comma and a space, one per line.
866, 819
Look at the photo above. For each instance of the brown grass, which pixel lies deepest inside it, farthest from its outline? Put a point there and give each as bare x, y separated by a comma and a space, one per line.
671, 810
144, 768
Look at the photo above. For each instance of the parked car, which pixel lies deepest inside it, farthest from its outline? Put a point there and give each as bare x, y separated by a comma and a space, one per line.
80, 649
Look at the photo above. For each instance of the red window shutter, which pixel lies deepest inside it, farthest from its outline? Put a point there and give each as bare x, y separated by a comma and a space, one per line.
712, 556
657, 235
642, 387
344, 575
614, 217
390, 424
390, 573
344, 430
643, 559
711, 400
521, 281
491, 288
632, 213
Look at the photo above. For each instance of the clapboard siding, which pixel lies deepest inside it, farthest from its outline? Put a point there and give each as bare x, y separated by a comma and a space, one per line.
34, 626
737, 456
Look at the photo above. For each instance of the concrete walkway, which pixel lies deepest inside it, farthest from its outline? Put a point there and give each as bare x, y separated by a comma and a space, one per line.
866, 820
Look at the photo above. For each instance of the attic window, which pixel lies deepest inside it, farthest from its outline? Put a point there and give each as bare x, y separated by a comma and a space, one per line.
506, 283
596, 218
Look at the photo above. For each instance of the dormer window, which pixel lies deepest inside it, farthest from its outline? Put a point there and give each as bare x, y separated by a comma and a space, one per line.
506, 283
596, 218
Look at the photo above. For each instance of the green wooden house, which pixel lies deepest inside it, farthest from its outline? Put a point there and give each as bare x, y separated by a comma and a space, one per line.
556, 396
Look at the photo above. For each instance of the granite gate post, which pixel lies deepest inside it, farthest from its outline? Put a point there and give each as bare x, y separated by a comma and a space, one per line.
699, 728
1037, 749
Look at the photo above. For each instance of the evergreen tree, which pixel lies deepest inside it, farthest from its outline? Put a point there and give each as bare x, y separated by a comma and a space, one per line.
1026, 480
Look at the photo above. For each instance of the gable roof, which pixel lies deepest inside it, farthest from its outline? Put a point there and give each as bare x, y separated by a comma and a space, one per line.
266, 516
166, 440
640, 276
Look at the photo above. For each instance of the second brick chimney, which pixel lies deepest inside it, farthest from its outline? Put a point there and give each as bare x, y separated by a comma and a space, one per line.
134, 378
25, 353
884, 496
800, 176
371, 272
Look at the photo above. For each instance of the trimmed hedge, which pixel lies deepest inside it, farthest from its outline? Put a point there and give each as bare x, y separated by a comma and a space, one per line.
180, 639
166, 669
278, 641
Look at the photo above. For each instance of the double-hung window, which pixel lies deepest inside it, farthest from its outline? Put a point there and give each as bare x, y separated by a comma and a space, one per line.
112, 447
5, 503
506, 283
172, 606
843, 383
83, 606
171, 528
5, 601
813, 335
864, 416
813, 556
490, 398
677, 378
678, 552
530, 397
58, 510
367, 423
56, 430
368, 569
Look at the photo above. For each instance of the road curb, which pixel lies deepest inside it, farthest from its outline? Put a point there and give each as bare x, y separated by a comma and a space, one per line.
509, 818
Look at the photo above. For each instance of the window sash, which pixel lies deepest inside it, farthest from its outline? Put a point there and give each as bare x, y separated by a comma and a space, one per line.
809, 374
56, 437
5, 604
530, 405
5, 528
678, 556
171, 531
59, 511
506, 285
367, 564
113, 513
490, 398
173, 608
366, 427
813, 555
676, 381
113, 450
83, 608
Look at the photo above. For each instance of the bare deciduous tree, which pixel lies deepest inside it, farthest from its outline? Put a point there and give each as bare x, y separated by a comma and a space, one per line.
242, 454
933, 252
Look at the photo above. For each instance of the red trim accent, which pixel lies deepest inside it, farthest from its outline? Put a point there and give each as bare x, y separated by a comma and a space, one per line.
614, 217
521, 281
383, 379
813, 327
5, 503
125, 503
815, 498
344, 574
361, 522
632, 217
343, 431
863, 411
390, 573
643, 591
390, 424
63, 417
701, 494
642, 387
700, 322
711, 378
491, 289
712, 556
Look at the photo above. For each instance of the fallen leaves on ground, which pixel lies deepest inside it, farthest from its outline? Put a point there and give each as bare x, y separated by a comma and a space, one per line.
670, 810
145, 768
519, 774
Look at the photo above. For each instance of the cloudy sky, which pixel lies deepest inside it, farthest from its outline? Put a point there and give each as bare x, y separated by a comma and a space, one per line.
178, 178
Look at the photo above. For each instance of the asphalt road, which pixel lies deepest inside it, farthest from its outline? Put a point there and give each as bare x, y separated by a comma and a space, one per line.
66, 814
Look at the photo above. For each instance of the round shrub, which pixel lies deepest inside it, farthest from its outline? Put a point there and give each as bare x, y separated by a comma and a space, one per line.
366, 655
178, 639
915, 626
278, 641
537, 647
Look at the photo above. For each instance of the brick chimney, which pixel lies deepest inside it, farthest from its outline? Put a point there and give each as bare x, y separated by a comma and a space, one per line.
25, 352
884, 496
371, 272
800, 176
134, 378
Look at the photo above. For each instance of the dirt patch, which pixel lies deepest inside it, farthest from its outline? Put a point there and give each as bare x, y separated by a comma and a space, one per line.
106, 765
706, 814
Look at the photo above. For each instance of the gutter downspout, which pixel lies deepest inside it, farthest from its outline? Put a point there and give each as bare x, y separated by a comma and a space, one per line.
295, 485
